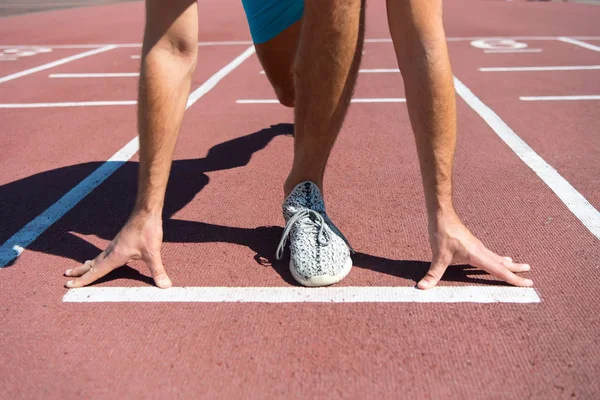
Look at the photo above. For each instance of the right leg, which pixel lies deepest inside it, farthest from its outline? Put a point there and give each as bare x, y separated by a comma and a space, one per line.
168, 60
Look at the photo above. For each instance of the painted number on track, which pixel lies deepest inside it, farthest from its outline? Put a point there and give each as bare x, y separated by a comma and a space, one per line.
14, 53
498, 44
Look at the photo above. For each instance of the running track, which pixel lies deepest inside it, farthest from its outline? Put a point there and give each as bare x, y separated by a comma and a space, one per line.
527, 177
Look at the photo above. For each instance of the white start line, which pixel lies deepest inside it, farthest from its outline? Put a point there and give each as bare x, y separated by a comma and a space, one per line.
352, 294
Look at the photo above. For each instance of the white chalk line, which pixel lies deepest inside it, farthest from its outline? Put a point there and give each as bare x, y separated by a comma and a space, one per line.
492, 51
56, 63
549, 68
97, 75
439, 294
374, 100
15, 245
369, 71
579, 206
249, 42
579, 43
70, 104
559, 98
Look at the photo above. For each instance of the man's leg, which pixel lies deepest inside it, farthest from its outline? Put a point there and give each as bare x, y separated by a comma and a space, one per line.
418, 34
325, 73
277, 59
168, 60
275, 28
326, 68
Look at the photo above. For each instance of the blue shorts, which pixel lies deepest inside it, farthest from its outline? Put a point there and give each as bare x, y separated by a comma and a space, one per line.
268, 18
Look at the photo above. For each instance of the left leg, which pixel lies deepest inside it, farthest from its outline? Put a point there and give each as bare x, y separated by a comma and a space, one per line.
275, 27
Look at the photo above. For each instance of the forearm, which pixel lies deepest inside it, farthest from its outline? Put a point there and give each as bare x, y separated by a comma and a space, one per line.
167, 65
432, 109
423, 59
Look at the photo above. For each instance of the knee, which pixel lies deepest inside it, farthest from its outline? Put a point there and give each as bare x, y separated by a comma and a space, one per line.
176, 50
286, 95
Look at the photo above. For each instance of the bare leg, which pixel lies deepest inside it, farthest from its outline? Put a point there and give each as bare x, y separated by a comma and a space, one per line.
277, 58
420, 43
168, 61
325, 74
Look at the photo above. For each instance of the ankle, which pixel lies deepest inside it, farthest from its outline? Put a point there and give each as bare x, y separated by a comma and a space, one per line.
293, 180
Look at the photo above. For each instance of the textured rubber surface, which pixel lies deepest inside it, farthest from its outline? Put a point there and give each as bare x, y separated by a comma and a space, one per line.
223, 222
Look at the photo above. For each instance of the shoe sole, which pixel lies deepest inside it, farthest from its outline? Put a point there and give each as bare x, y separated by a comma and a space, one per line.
322, 280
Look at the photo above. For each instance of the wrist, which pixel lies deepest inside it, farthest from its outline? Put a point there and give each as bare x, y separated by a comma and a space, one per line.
146, 211
440, 208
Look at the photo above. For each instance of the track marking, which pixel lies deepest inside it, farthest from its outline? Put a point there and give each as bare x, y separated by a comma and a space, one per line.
375, 100
249, 42
369, 71
56, 63
70, 104
579, 43
557, 68
439, 294
136, 57
583, 210
378, 70
557, 98
512, 51
498, 44
97, 75
15, 245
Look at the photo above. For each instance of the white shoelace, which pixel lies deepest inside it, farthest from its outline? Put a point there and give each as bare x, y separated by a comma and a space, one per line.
319, 222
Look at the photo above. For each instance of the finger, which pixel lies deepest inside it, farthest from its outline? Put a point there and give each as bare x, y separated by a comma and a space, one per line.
487, 263
97, 270
80, 270
161, 279
436, 271
508, 262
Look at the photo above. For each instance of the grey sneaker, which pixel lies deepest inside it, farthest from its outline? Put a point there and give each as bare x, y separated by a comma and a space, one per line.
320, 254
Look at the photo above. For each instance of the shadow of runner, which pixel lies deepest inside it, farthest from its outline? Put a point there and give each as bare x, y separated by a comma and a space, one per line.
106, 211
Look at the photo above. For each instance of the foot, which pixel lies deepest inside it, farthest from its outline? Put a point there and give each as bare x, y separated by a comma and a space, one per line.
320, 254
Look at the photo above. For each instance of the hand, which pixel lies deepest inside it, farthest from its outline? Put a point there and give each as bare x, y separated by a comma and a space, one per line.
140, 239
451, 242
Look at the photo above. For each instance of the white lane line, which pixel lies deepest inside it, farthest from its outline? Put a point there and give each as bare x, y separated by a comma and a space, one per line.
439, 294
378, 70
382, 100
579, 206
15, 245
555, 68
56, 63
97, 75
70, 104
579, 43
135, 57
374, 100
513, 51
559, 98
369, 71
249, 42
121, 45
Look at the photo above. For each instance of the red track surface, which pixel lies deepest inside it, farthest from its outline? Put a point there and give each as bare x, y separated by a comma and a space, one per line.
224, 207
